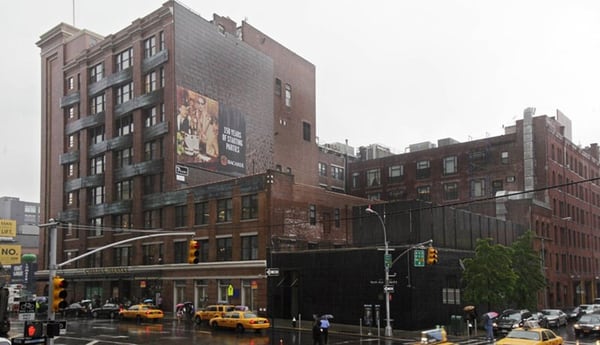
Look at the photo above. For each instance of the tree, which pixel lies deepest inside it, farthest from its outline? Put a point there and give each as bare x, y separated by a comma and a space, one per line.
489, 277
527, 265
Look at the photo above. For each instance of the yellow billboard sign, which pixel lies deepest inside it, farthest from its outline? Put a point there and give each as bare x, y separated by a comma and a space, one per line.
8, 228
10, 254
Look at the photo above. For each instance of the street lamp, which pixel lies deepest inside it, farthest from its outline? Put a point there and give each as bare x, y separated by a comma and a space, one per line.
386, 264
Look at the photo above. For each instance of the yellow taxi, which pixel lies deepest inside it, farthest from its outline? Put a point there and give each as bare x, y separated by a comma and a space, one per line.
437, 336
240, 321
212, 311
531, 336
141, 312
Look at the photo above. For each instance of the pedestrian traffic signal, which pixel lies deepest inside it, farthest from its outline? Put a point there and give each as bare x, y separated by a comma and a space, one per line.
33, 329
432, 256
59, 294
194, 252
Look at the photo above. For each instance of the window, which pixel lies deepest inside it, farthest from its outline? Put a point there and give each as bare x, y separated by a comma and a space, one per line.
70, 141
124, 93
96, 135
153, 220
153, 183
451, 191
97, 104
201, 213
312, 214
124, 60
96, 196
249, 247
423, 169
180, 216
150, 82
478, 188
288, 95
123, 157
94, 260
224, 210
250, 206
154, 115
395, 173
224, 249
122, 256
336, 217
152, 254
97, 165
337, 172
373, 178
355, 180
153, 150
70, 169
203, 250
124, 125
70, 112
98, 226
504, 157
322, 169
424, 193
451, 296
124, 190
497, 185
180, 252
149, 47
70, 198
450, 165
96, 73
161, 40
277, 87
374, 196
122, 221
306, 135
70, 83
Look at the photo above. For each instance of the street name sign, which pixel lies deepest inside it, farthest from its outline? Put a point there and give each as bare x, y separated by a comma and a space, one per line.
272, 272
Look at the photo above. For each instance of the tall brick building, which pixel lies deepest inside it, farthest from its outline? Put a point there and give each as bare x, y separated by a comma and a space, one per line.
555, 186
169, 124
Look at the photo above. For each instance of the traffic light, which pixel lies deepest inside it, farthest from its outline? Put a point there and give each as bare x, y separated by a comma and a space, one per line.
59, 295
194, 252
432, 256
33, 329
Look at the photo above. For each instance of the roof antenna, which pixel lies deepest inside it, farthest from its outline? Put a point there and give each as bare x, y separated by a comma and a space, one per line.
73, 12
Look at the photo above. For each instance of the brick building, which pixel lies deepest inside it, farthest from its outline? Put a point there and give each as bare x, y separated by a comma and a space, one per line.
134, 121
554, 184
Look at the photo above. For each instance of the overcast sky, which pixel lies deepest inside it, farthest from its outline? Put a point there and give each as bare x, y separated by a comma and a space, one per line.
394, 72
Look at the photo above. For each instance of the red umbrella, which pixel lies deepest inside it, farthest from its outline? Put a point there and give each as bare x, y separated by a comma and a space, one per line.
492, 314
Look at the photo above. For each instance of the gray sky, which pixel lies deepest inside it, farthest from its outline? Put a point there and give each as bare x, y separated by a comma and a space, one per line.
393, 72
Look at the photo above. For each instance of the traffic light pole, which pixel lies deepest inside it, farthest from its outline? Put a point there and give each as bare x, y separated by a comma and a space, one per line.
388, 264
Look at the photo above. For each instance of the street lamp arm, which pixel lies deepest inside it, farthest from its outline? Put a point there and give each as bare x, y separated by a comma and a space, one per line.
428, 242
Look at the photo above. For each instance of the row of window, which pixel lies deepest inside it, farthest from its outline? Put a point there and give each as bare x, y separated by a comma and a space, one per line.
572, 162
337, 172
287, 93
153, 254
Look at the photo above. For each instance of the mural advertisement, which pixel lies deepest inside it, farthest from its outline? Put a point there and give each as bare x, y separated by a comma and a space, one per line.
209, 135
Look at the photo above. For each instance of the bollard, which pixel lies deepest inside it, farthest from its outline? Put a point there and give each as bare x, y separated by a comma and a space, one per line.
280, 341
294, 322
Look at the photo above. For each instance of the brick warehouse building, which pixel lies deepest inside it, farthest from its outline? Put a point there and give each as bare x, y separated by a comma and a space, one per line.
536, 155
173, 101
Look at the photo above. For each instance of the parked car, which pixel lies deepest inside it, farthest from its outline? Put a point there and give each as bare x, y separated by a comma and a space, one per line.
240, 321
109, 310
511, 319
531, 336
573, 313
539, 320
589, 308
141, 312
212, 311
587, 324
555, 317
76, 309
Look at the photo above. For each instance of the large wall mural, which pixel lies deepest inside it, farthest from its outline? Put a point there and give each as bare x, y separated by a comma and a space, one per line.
209, 135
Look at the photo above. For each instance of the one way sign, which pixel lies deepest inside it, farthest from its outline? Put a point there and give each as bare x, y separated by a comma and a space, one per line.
272, 272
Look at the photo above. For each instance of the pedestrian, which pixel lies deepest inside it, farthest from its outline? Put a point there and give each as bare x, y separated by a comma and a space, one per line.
489, 328
317, 332
325, 329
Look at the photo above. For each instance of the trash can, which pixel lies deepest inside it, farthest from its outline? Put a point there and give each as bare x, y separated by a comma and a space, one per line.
456, 324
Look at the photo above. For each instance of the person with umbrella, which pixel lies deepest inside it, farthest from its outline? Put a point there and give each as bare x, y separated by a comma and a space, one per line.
489, 325
325, 326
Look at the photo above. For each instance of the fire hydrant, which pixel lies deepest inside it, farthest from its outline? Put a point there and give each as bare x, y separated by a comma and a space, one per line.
294, 322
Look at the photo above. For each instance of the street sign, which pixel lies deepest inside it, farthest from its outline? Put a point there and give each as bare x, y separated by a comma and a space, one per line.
387, 260
389, 289
419, 258
26, 310
272, 272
